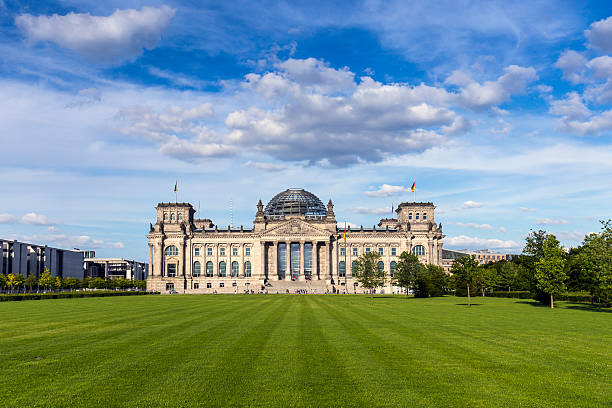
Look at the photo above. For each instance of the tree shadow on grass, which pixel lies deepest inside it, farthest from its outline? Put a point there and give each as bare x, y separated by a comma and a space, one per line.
534, 303
465, 304
588, 307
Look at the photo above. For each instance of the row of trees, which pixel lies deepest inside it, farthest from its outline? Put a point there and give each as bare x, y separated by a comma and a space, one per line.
544, 269
17, 282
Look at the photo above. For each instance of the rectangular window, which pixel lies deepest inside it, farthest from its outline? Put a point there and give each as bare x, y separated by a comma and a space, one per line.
367, 250
342, 251
354, 251
196, 251
234, 284
222, 251
208, 285
393, 251
234, 251
209, 251
196, 285
170, 286
416, 216
222, 285
247, 251
381, 251
424, 216
281, 262
171, 270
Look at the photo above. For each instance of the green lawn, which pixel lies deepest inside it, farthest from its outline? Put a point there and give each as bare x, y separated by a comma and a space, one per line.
291, 350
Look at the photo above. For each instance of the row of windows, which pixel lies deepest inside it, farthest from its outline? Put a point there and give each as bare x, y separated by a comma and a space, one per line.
381, 267
417, 250
173, 216
416, 216
221, 271
380, 251
173, 251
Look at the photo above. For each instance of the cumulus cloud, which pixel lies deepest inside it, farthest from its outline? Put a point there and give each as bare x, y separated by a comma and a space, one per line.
34, 219
265, 166
365, 210
573, 65
7, 219
570, 235
387, 190
599, 35
311, 72
121, 36
490, 93
576, 117
472, 204
475, 242
548, 221
474, 225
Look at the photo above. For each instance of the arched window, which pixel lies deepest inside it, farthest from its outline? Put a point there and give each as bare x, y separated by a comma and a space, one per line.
172, 217
234, 269
171, 250
418, 250
222, 272
342, 269
180, 216
416, 216
410, 216
247, 269
354, 268
392, 268
209, 269
165, 216
381, 266
424, 216
196, 269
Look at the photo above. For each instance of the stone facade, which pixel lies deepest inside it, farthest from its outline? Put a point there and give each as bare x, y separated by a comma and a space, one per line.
300, 249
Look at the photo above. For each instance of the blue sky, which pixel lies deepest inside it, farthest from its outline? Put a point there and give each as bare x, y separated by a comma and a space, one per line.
500, 112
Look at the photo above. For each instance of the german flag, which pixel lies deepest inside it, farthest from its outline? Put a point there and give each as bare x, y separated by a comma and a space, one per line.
412, 188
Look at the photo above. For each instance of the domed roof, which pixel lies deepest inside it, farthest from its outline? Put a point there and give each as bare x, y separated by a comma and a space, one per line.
295, 201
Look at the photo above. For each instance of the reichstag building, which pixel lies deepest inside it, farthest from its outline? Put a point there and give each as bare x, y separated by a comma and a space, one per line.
295, 243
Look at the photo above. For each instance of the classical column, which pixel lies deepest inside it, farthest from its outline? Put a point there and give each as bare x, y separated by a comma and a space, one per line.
288, 260
334, 268
315, 253
159, 259
301, 275
216, 260
273, 262
241, 266
325, 261
150, 257
430, 255
263, 261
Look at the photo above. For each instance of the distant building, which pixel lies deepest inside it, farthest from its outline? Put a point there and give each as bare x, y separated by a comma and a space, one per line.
114, 268
482, 256
29, 259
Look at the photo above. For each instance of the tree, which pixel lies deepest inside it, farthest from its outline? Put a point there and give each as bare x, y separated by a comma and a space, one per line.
31, 281
406, 271
509, 275
14, 280
58, 282
550, 268
2, 280
596, 261
71, 283
368, 273
97, 283
439, 280
46, 280
465, 274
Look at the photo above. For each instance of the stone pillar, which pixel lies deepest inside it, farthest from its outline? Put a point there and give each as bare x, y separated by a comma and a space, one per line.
325, 261
263, 261
288, 260
150, 256
273, 262
159, 259
315, 253
241, 266
216, 260
430, 256
334, 263
301, 276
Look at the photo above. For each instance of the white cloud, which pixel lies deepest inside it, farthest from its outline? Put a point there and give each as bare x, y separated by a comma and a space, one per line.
474, 225
35, 219
52, 229
265, 166
365, 210
387, 190
503, 129
548, 221
599, 35
527, 209
472, 204
490, 93
573, 65
503, 229
313, 73
121, 36
7, 219
601, 66
475, 242
570, 235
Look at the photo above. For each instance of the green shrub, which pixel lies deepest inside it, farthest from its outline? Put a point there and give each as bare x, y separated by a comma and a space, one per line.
66, 295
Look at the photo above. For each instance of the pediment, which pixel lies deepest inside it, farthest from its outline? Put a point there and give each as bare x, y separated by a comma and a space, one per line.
296, 227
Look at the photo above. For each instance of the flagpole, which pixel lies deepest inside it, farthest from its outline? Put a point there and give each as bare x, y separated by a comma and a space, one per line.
345, 265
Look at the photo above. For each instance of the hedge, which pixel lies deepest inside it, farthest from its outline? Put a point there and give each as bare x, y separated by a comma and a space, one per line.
65, 295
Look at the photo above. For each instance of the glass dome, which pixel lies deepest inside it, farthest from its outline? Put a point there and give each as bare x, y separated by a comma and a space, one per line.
295, 201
